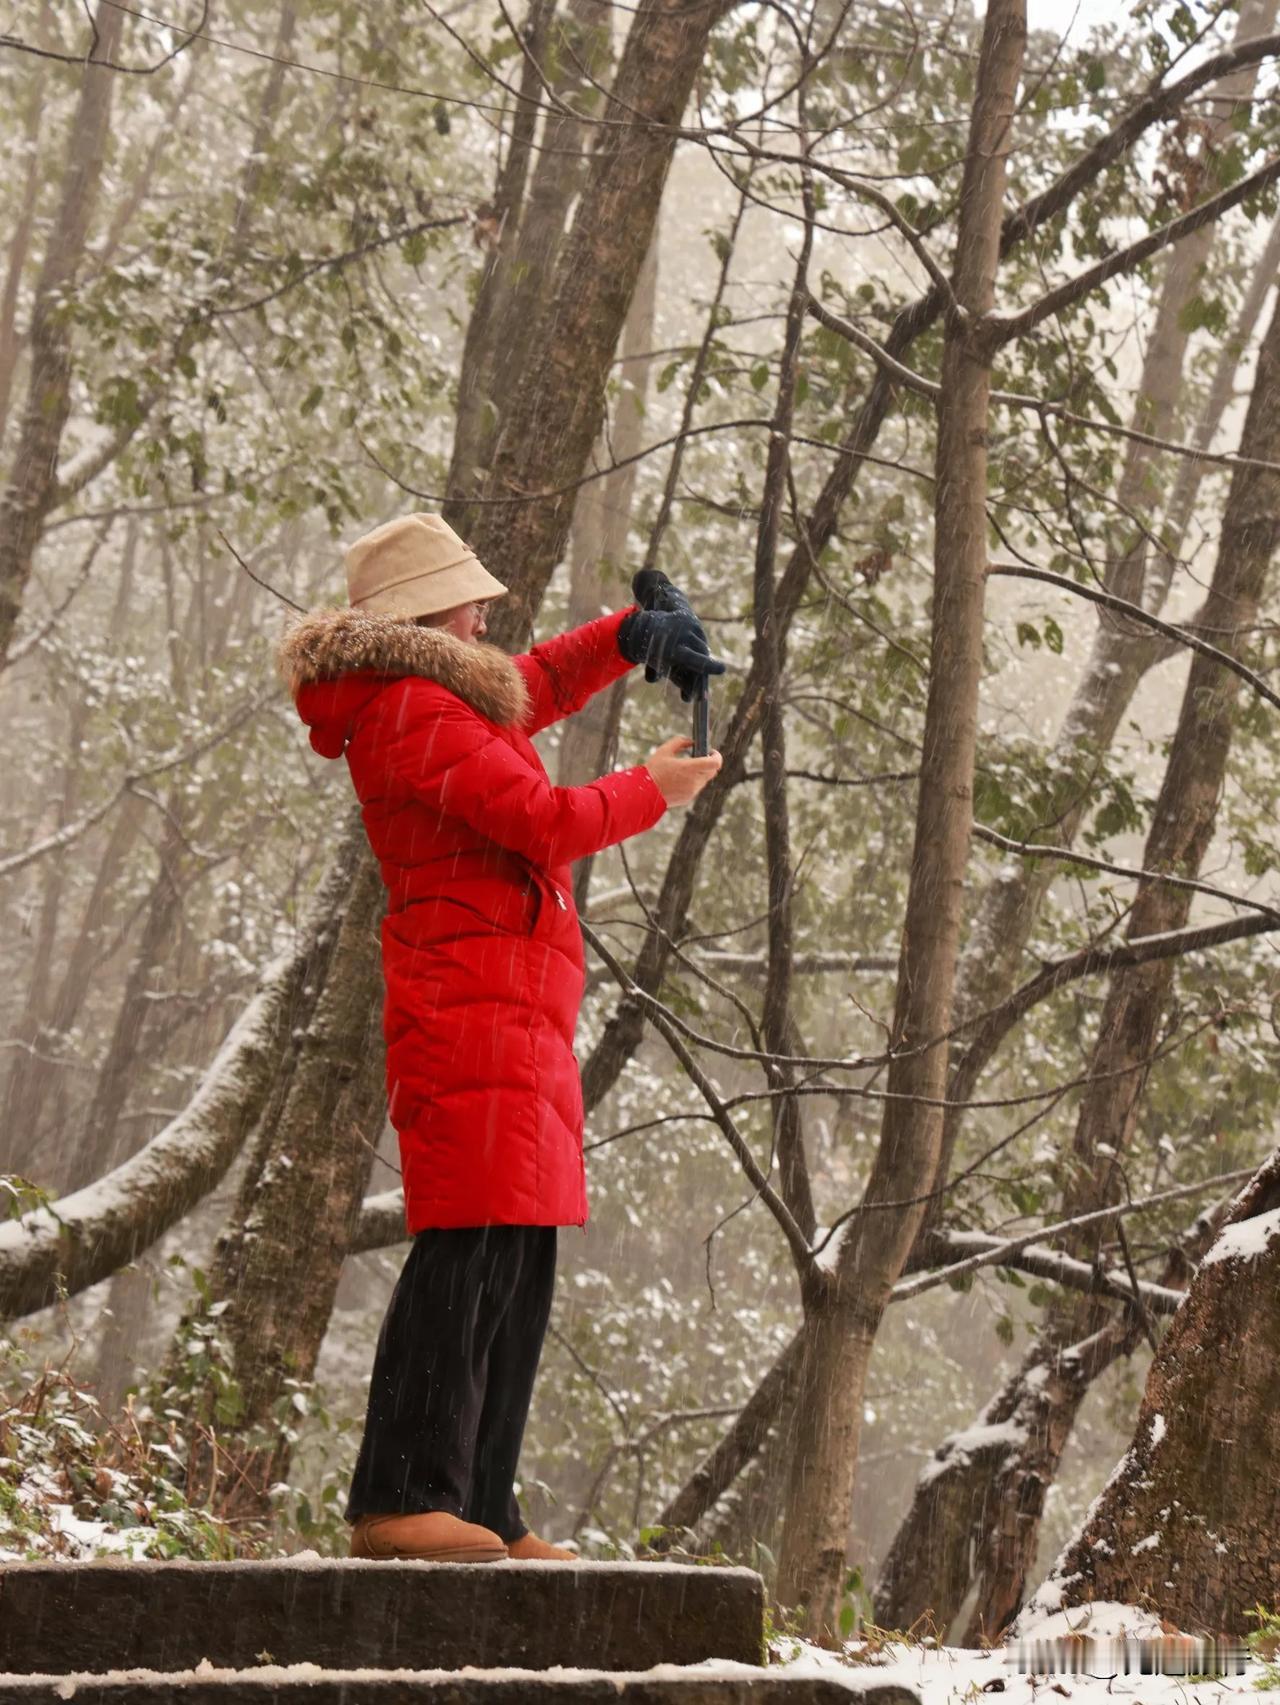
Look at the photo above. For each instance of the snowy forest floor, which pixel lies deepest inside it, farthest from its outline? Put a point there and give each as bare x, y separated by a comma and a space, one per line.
956, 1675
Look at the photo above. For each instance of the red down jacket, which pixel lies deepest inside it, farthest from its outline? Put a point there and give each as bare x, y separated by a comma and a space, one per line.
481, 949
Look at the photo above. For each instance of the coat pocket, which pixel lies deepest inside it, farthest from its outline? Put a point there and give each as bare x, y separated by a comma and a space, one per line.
488, 906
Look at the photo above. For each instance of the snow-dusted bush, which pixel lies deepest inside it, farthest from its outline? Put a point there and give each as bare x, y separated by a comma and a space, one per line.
73, 1484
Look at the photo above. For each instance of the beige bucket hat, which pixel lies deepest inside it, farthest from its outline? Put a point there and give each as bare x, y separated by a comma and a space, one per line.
415, 566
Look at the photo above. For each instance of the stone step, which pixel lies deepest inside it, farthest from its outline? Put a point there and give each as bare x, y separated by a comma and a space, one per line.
274, 1686
342, 1614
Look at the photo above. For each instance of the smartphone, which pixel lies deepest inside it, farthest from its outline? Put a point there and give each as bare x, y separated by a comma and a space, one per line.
702, 719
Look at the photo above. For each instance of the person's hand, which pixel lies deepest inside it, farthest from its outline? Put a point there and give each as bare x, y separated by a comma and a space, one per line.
668, 642
666, 636
681, 780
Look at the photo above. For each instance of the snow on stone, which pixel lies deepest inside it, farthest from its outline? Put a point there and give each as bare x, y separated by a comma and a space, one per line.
940, 1676
1245, 1240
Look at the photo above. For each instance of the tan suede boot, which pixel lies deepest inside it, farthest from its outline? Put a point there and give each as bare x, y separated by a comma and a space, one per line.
436, 1537
530, 1549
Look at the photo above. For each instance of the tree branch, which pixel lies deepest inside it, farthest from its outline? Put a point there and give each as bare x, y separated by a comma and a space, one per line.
1050, 1264
1135, 612
1065, 855
901, 374
1159, 103
1000, 329
999, 1252
799, 1245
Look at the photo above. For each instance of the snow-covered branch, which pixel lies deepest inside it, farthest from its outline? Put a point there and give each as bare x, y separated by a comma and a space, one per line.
1043, 1263
64, 1248
1000, 1252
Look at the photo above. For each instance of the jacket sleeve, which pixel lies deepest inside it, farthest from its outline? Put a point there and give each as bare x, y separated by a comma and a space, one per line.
563, 673
437, 750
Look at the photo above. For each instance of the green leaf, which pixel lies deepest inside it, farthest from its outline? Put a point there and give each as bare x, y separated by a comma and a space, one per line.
759, 375
311, 402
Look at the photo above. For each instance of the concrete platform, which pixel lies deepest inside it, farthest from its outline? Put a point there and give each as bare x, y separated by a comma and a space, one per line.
661, 1686
66, 1618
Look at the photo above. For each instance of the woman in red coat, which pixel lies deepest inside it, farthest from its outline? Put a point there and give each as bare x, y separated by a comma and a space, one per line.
482, 960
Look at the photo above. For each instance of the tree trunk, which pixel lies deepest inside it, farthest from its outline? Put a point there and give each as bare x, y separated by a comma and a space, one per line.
33, 477
554, 413
1121, 656
276, 1271
1181, 831
776, 1026
88, 466
1187, 1525
601, 528
721, 1467
31, 1079
23, 225
841, 1333
95, 1152
581, 31
19, 1140
488, 322
1191, 472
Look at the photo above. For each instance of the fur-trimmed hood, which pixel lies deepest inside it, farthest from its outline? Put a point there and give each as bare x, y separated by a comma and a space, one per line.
324, 645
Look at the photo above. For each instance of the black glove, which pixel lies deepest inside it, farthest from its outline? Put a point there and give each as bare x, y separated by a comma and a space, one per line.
666, 636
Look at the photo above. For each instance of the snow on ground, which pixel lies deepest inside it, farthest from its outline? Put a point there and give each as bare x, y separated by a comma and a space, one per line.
954, 1675
81, 1540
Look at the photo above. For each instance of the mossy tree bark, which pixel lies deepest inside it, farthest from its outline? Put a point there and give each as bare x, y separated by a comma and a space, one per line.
1187, 1524
276, 1269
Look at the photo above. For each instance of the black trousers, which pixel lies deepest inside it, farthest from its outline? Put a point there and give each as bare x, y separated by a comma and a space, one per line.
453, 1375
